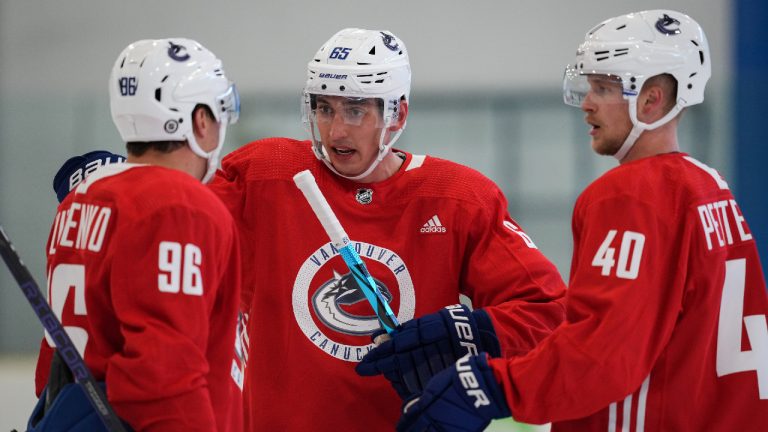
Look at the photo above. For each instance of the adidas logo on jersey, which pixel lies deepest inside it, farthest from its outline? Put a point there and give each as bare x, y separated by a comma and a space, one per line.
433, 225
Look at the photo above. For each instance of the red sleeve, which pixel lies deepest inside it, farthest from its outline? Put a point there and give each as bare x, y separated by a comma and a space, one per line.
230, 187
501, 254
621, 312
164, 286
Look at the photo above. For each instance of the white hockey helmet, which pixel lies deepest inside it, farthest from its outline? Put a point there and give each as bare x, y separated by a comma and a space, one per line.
636, 47
155, 86
358, 63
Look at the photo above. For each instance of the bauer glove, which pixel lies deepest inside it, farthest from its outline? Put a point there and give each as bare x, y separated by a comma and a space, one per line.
422, 347
464, 397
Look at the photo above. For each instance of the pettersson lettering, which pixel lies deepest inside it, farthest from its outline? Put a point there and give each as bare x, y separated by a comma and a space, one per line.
718, 220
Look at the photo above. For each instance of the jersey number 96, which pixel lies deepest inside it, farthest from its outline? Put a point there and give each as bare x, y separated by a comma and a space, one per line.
179, 268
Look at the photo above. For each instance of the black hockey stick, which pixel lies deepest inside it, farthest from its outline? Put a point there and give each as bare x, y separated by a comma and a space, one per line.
64, 344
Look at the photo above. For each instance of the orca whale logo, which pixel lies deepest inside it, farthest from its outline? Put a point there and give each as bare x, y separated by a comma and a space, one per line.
663, 25
389, 41
343, 290
178, 52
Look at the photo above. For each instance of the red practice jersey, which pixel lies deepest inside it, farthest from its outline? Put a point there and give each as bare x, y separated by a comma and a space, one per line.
666, 311
143, 271
430, 232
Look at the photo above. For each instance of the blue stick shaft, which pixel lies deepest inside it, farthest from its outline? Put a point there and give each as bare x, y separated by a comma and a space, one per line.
384, 313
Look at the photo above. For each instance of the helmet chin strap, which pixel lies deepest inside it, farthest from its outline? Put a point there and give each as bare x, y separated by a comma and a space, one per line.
634, 134
211, 157
639, 127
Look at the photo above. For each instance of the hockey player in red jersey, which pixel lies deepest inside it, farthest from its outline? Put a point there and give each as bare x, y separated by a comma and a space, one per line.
666, 308
143, 259
428, 230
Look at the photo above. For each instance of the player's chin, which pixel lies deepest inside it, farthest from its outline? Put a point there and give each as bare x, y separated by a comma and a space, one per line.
345, 167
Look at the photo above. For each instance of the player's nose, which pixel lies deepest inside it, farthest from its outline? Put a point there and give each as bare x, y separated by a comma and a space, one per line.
338, 127
587, 105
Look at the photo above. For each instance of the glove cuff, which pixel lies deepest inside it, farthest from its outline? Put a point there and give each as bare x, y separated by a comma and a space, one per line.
489, 342
497, 403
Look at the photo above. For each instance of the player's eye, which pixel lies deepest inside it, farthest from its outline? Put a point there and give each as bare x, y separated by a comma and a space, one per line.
324, 110
355, 112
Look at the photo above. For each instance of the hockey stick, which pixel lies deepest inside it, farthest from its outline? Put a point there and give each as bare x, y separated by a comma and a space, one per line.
64, 344
305, 181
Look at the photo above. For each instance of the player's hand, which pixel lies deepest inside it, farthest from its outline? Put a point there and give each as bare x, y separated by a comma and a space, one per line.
422, 347
464, 397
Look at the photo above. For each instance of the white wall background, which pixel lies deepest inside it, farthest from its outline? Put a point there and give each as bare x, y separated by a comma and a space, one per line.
55, 57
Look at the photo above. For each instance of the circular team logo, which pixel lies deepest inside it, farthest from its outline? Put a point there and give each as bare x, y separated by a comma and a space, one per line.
328, 302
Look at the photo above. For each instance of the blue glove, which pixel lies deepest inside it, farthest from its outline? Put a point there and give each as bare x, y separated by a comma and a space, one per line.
464, 397
422, 347
76, 168
70, 411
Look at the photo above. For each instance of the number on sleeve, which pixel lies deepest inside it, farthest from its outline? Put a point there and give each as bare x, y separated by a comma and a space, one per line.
630, 254
515, 229
179, 268
730, 358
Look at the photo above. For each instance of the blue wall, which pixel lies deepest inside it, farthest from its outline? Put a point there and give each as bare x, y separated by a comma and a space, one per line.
751, 117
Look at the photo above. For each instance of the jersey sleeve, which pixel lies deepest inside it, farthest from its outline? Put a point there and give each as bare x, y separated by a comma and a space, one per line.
621, 312
164, 285
231, 186
507, 276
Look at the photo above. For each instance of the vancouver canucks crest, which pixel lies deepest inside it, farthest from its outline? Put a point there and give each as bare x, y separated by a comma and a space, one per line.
334, 295
331, 309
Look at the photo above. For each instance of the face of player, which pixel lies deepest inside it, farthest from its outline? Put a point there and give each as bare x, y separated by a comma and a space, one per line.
607, 112
350, 130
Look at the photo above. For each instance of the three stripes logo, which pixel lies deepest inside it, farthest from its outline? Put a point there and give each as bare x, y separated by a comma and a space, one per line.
433, 225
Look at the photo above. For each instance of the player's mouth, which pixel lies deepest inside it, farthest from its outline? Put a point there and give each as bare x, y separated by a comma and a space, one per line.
343, 151
594, 127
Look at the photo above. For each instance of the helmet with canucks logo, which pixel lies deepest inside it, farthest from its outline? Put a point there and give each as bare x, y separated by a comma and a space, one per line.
359, 63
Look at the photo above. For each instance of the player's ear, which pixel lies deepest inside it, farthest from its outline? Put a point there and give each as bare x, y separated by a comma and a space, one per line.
651, 104
402, 114
202, 119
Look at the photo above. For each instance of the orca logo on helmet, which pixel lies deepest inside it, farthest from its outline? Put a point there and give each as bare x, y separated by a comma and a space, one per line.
664, 22
178, 52
389, 41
